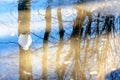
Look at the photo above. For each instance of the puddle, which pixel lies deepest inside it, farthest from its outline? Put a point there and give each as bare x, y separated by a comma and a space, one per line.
69, 40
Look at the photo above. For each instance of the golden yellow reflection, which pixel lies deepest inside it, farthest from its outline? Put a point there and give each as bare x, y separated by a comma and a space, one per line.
25, 65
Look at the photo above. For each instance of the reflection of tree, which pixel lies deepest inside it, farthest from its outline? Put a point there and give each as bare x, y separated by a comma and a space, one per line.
60, 44
77, 72
45, 42
101, 59
78, 29
102, 55
25, 68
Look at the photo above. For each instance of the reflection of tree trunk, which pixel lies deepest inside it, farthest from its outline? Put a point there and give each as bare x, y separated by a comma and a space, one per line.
84, 35
105, 51
25, 69
75, 45
24, 16
60, 45
86, 53
78, 72
45, 45
102, 61
67, 57
102, 56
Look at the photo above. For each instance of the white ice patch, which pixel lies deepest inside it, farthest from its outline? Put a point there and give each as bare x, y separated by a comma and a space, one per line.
25, 41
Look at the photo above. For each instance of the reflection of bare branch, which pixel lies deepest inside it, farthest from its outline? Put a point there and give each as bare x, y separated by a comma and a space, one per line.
36, 35
54, 17
102, 55
9, 42
39, 37
44, 15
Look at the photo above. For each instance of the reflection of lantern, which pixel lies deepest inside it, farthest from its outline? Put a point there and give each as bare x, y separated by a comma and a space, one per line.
24, 41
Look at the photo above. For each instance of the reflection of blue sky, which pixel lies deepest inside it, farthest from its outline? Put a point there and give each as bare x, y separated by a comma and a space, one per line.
9, 32
7, 6
42, 4
8, 16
